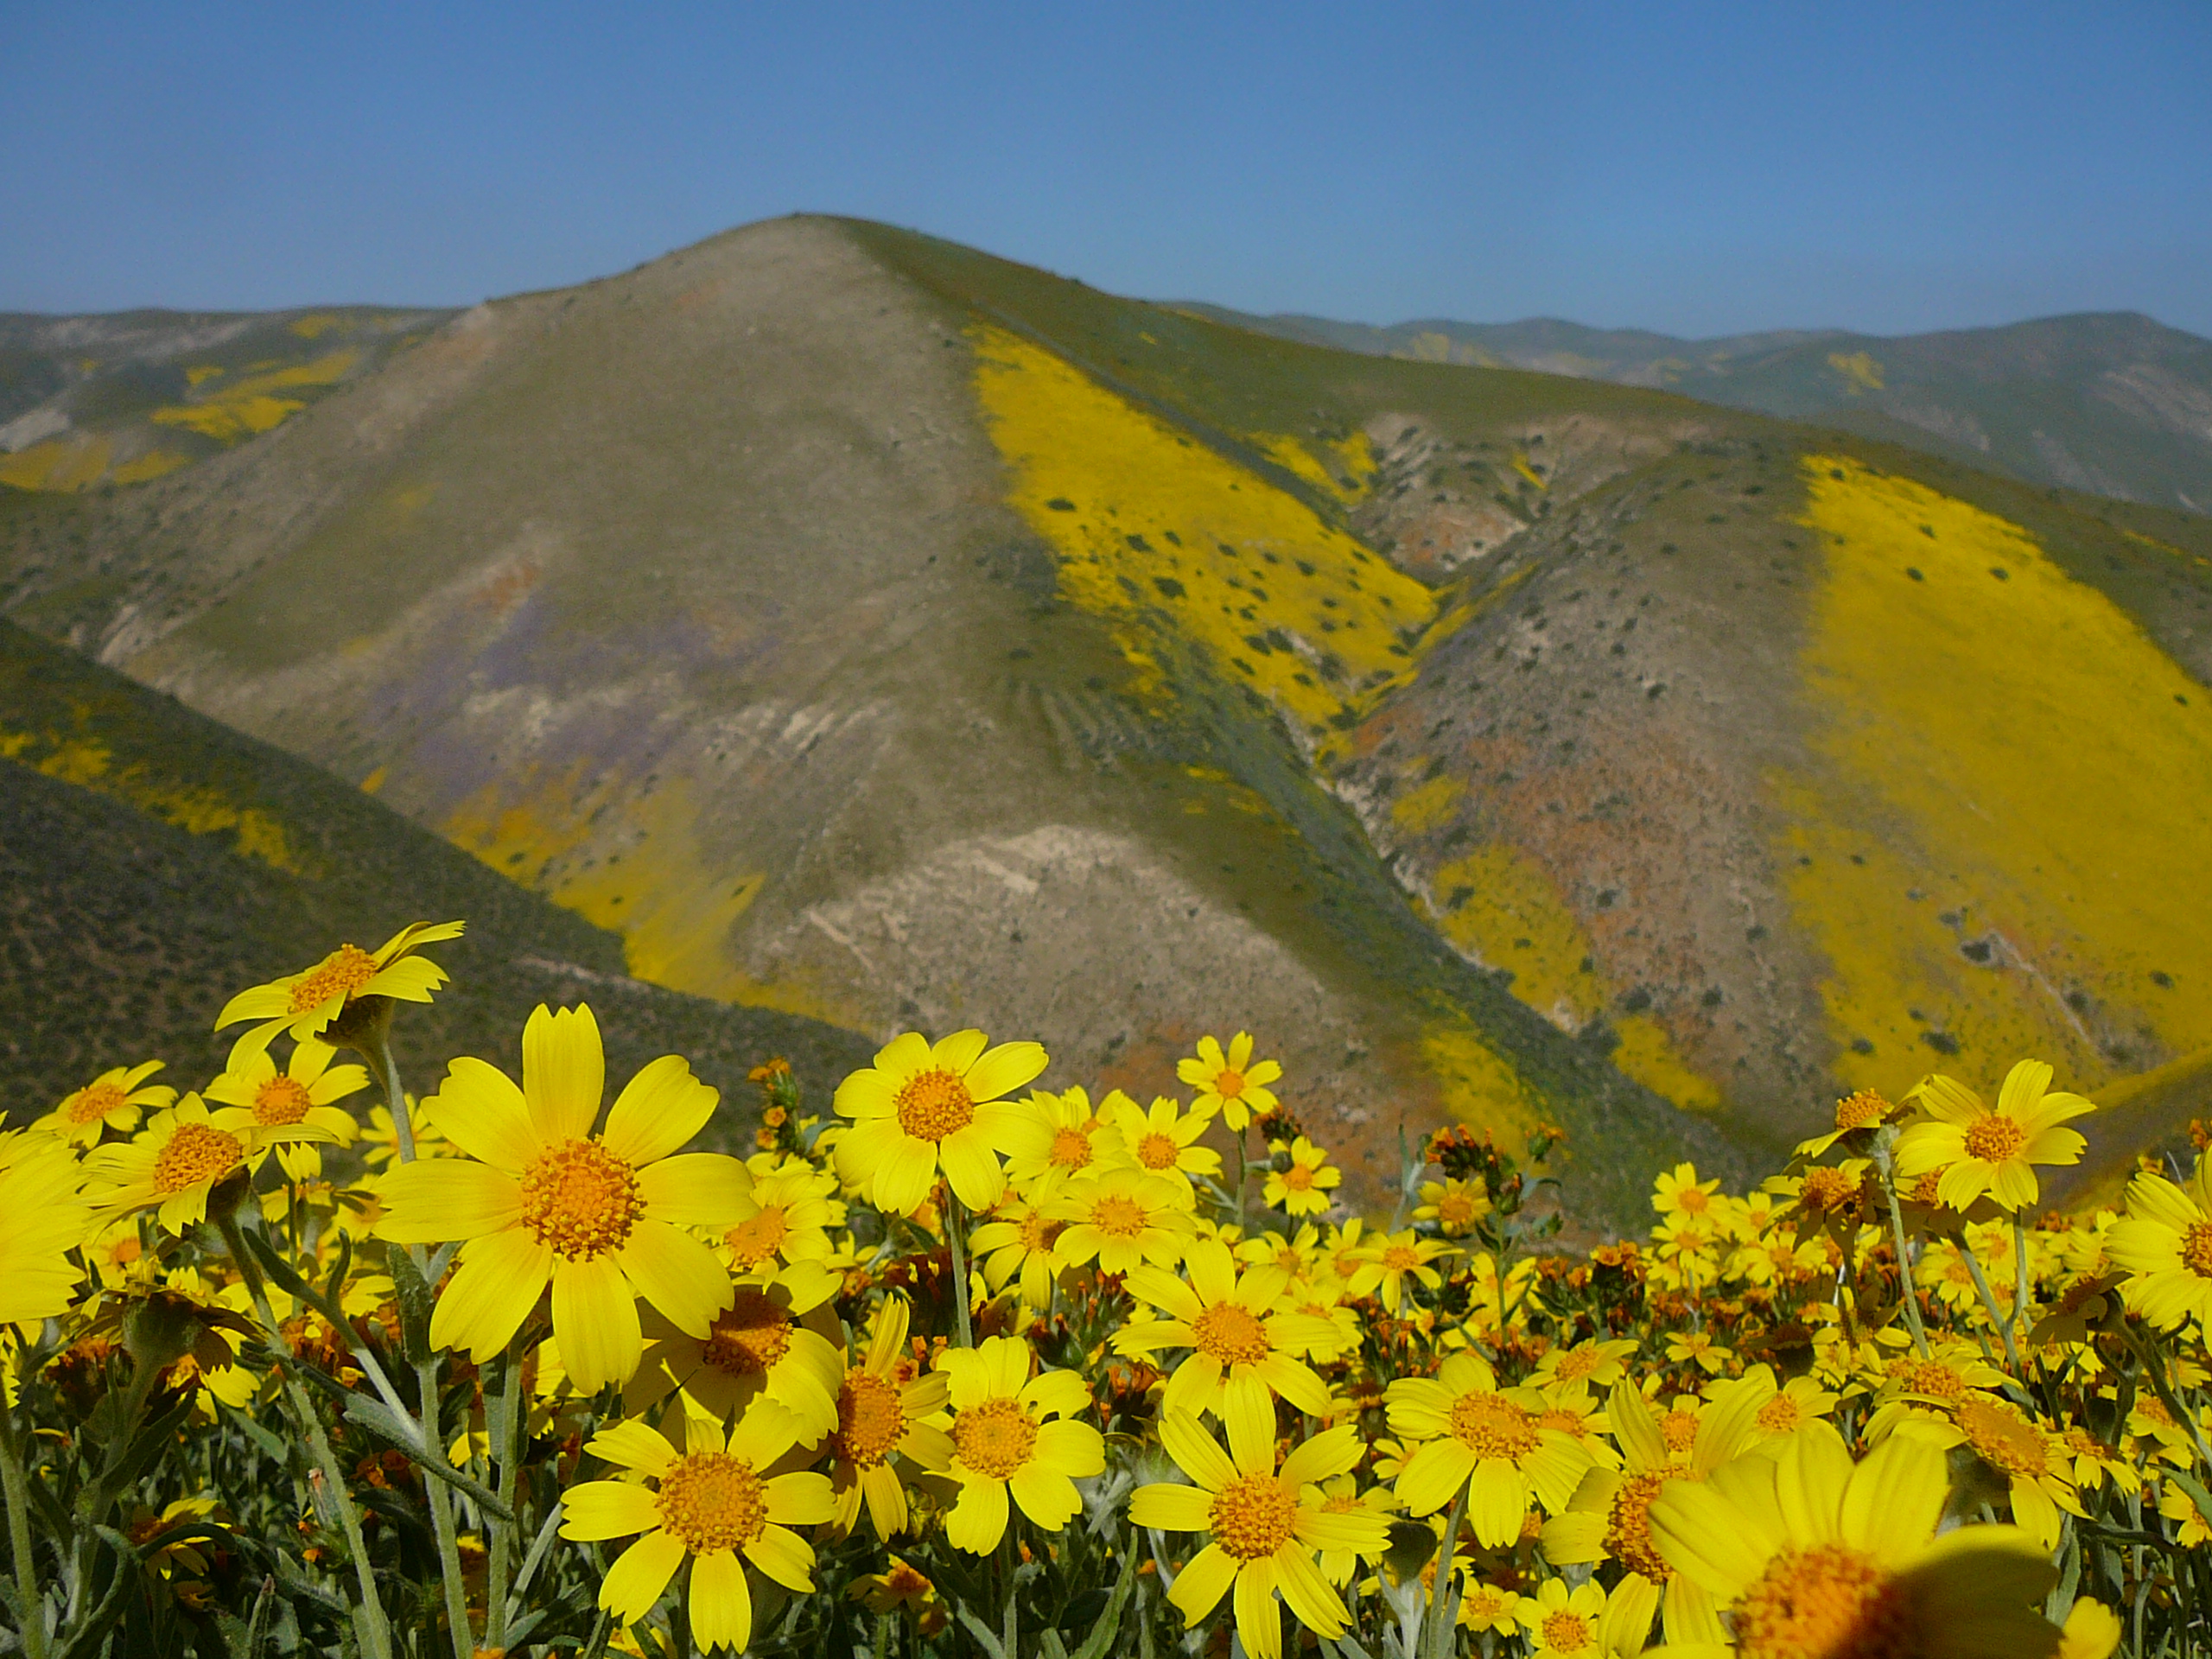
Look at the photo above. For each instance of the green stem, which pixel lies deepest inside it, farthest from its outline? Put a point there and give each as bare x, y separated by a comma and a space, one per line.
503, 1532
16, 1483
2020, 1270
1904, 1259
955, 1226
1442, 1611
1242, 1172
2155, 1371
403, 1127
1988, 1300
375, 1629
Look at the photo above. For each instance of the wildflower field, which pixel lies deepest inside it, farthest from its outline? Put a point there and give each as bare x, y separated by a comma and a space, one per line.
298, 1362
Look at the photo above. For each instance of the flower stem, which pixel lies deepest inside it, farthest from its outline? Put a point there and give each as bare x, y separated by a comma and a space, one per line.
16, 1481
510, 1451
956, 1220
1442, 1613
1988, 1299
1911, 1292
403, 1127
1243, 1171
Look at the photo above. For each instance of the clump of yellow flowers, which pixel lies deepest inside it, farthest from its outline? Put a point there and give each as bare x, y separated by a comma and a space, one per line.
971, 1365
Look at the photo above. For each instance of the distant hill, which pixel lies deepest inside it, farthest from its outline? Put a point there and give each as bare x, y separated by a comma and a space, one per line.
128, 396
152, 863
2111, 402
868, 627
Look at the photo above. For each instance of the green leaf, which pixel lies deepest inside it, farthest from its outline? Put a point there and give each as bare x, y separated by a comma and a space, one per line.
415, 1300
405, 1437
1110, 1621
984, 1635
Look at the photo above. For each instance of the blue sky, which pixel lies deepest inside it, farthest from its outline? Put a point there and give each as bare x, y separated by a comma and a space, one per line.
1699, 169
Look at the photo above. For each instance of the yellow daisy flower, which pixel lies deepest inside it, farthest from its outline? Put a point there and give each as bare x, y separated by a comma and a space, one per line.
1263, 1527
1229, 1084
1808, 1552
1473, 1433
715, 1504
1295, 1256
923, 1106
1012, 1435
1679, 1196
113, 1100
1341, 1495
2033, 1463
1323, 1296
2165, 1246
1016, 1245
541, 1200
1121, 1218
1593, 1364
42, 1219
777, 1338
254, 1094
1383, 1267
1982, 1150
173, 1166
1564, 1623
1075, 1148
1162, 1141
1487, 1609
884, 1424
1454, 1206
786, 1214
1303, 1188
1244, 1346
2093, 1631
348, 981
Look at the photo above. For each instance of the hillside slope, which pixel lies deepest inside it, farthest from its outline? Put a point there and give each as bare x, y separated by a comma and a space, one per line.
2112, 403
861, 623
153, 863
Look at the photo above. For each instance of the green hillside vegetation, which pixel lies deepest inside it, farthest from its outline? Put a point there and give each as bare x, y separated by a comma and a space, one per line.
155, 863
126, 398
866, 627
2112, 403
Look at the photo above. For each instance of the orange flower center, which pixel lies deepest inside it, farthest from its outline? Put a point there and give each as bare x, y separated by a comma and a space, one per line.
1566, 1632
1039, 1235
1252, 1516
1932, 1378
1679, 1429
712, 1501
2197, 1248
581, 1200
1628, 1526
1229, 1084
1578, 1364
1827, 1189
1830, 1601
933, 1104
1400, 1258
1490, 1425
1481, 1607
1458, 1208
1780, 1414
1692, 1200
1995, 1138
342, 973
281, 1101
2003, 1438
751, 1243
1119, 1216
870, 1421
1299, 1178
195, 1154
1924, 1190
1072, 1149
750, 1336
1232, 1334
994, 1438
93, 1102
1159, 1150
1858, 1111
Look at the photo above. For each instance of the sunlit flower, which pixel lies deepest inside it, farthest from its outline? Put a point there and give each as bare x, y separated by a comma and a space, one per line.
1075, 1146
921, 1107
1855, 1114
715, 1504
113, 1100
1474, 1433
1342, 1495
1303, 1185
540, 1199
1245, 1345
1231, 1084
174, 1164
1454, 1206
2165, 1245
1382, 1268
777, 1341
1016, 1245
349, 980
42, 1219
2034, 1465
1162, 1141
1490, 1610
1121, 1219
785, 1215
902, 1587
1593, 1363
886, 1428
1012, 1435
1562, 1623
1263, 1528
1982, 1150
1808, 1553
255, 1095
1679, 1195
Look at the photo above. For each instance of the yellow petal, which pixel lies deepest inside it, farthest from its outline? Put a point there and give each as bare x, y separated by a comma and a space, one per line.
633, 1443
595, 1321
1003, 1069
659, 1109
432, 1200
635, 1582
606, 1509
721, 1605
479, 1109
695, 1189
785, 1556
563, 1072
1200, 1585
1170, 1508
978, 1520
499, 1281
678, 1274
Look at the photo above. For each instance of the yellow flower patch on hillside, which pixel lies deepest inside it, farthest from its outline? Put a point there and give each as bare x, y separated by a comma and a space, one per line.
200, 810
64, 464
251, 406
2010, 795
1177, 544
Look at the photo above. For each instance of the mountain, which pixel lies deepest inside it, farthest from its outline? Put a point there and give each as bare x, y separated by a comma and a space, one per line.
153, 862
125, 397
870, 628
2112, 403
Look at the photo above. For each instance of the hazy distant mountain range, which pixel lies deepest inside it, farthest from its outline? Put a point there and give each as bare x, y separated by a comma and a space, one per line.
864, 627
2107, 402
